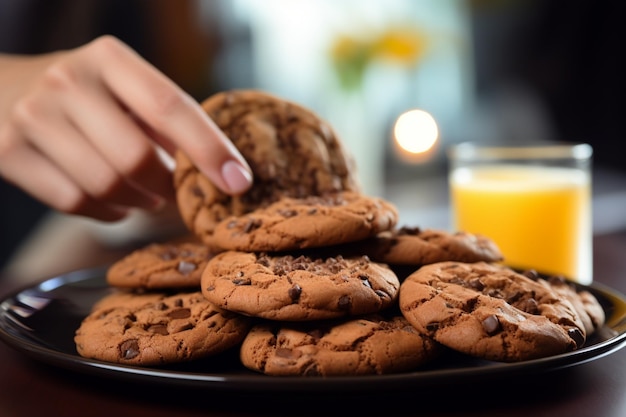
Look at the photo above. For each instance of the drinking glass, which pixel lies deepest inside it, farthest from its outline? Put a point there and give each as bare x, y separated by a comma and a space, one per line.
533, 201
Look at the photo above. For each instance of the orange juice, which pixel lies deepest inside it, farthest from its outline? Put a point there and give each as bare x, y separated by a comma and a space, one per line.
540, 217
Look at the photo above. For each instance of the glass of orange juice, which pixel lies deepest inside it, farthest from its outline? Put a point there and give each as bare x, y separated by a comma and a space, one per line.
533, 201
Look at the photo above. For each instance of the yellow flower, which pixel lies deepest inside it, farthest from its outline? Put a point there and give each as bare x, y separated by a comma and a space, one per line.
352, 55
402, 45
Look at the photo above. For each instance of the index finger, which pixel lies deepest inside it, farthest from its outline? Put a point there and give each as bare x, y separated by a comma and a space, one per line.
174, 116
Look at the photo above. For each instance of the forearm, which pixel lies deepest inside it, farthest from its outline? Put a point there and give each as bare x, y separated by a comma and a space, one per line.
90, 119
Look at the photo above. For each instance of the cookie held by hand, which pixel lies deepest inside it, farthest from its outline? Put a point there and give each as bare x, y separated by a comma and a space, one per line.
291, 151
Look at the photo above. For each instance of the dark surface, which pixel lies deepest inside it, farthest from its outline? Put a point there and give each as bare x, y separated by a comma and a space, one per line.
32, 387
40, 321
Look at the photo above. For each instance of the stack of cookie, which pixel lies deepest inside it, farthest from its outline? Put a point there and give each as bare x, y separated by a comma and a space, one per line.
306, 275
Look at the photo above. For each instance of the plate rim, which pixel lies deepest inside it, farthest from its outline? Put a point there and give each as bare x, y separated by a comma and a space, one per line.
263, 383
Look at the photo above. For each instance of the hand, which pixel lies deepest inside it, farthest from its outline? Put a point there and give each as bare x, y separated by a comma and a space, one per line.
79, 129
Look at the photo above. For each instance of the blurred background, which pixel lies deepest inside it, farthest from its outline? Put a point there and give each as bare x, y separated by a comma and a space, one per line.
400, 80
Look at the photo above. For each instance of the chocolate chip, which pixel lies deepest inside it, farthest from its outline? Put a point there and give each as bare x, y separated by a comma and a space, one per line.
381, 294
242, 281
180, 313
300, 264
294, 292
530, 306
476, 284
458, 281
196, 191
365, 280
129, 349
470, 304
557, 280
316, 333
288, 213
531, 273
336, 264
287, 353
577, 336
495, 293
512, 297
281, 269
263, 260
186, 268
345, 302
432, 327
178, 302
251, 225
158, 329
491, 324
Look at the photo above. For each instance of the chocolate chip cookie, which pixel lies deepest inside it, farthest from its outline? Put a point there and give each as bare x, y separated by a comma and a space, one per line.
291, 151
174, 329
416, 246
161, 265
314, 221
586, 304
298, 288
367, 345
490, 311
129, 297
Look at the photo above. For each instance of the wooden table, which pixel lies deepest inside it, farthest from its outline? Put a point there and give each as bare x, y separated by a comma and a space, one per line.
597, 388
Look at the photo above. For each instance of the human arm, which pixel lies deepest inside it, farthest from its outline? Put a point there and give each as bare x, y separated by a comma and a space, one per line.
78, 131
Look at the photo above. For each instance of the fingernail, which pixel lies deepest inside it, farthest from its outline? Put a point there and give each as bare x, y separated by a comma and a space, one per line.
236, 177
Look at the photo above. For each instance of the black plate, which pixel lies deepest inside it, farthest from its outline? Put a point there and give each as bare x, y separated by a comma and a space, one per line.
40, 321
